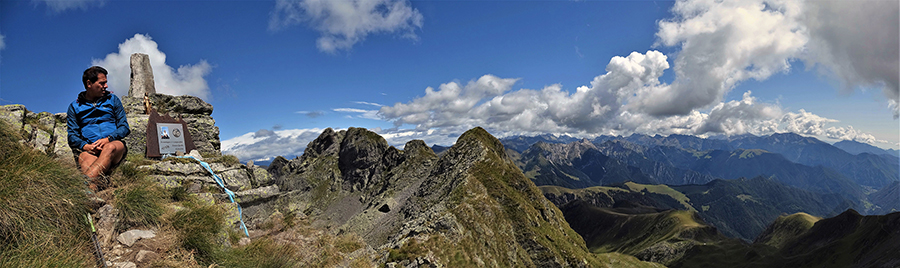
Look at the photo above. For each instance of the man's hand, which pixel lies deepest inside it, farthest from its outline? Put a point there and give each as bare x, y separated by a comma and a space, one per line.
97, 146
90, 148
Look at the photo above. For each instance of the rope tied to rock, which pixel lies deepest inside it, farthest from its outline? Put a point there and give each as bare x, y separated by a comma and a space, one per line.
221, 184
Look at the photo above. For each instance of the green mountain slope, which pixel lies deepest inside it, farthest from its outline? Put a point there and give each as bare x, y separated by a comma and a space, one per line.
786, 229
744, 207
886, 199
846, 240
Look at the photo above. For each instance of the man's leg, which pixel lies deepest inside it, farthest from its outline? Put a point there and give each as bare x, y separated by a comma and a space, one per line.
86, 161
111, 153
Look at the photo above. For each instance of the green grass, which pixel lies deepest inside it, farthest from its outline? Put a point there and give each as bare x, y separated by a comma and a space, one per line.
198, 228
43, 207
618, 260
139, 204
408, 251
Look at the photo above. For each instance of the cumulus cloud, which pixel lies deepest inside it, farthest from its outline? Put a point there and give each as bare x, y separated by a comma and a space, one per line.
344, 23
857, 42
186, 80
489, 101
449, 105
722, 43
739, 117
59, 6
808, 123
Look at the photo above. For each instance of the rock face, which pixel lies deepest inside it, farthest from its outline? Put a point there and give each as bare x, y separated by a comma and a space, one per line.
141, 76
470, 207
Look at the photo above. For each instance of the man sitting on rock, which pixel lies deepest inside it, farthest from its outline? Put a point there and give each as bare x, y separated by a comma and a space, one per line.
96, 126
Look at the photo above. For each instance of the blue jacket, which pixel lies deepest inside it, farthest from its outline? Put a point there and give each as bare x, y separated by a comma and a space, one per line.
88, 122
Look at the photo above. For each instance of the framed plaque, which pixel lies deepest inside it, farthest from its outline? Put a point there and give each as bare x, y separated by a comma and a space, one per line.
167, 135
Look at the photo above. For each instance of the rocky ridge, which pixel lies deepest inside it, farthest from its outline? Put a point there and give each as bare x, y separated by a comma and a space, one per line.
471, 206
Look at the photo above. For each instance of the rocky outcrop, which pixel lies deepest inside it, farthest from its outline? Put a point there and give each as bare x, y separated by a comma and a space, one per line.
251, 185
43, 131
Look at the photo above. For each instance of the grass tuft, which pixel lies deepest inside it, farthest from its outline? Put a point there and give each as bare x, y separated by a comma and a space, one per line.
228, 160
198, 227
139, 204
259, 253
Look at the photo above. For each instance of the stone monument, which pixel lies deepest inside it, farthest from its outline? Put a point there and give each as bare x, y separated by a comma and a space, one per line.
141, 76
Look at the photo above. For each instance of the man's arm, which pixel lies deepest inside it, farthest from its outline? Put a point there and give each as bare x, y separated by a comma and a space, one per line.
74, 130
122, 128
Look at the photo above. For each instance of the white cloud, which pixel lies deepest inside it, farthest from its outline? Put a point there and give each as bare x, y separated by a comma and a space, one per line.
747, 115
449, 105
858, 42
343, 23
723, 43
367, 114
186, 80
2, 42
739, 117
368, 103
311, 114
59, 6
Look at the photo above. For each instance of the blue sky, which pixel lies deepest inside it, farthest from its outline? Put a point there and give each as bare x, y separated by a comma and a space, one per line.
279, 72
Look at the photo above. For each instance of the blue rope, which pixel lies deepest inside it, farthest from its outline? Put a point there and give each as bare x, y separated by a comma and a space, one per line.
221, 184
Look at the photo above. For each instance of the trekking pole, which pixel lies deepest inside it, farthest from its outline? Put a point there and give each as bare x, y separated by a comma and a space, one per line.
97, 248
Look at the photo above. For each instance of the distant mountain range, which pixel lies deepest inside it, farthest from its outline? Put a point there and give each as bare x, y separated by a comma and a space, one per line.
855, 147
790, 174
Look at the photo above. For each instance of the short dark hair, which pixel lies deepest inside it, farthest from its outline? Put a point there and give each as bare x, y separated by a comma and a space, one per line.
90, 75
